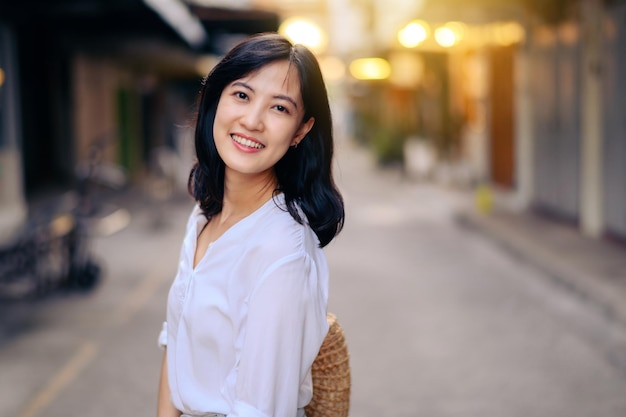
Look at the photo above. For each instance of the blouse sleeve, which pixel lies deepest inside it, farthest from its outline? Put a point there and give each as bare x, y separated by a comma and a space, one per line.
285, 327
162, 341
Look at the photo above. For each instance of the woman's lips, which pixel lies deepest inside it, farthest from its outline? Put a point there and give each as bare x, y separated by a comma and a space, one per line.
248, 143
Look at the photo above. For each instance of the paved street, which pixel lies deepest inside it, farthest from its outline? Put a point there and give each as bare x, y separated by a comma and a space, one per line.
440, 321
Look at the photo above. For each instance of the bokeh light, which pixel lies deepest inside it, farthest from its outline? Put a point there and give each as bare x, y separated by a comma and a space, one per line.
445, 37
450, 34
509, 33
370, 69
414, 33
303, 31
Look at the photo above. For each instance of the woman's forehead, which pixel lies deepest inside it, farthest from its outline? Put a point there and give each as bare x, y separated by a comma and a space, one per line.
278, 75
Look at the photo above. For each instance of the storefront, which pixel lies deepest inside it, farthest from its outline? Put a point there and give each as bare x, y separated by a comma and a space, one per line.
12, 205
73, 72
614, 64
556, 92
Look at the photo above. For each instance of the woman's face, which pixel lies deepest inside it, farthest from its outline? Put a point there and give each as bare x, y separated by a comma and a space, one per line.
258, 117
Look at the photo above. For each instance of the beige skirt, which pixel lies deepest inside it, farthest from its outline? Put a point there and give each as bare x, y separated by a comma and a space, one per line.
206, 415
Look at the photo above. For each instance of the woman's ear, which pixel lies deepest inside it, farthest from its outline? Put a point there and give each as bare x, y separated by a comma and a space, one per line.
302, 131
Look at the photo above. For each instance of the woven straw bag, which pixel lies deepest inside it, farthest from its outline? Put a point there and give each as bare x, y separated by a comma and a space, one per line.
331, 375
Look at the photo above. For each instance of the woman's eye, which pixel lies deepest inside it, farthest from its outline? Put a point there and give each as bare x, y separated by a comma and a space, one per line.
281, 108
241, 95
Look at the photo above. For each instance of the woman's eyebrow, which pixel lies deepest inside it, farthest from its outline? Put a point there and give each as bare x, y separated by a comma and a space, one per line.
242, 84
287, 98
278, 96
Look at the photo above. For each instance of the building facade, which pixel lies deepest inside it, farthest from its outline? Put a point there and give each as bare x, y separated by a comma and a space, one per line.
81, 72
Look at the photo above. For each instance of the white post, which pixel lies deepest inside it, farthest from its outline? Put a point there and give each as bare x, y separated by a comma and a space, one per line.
524, 163
591, 196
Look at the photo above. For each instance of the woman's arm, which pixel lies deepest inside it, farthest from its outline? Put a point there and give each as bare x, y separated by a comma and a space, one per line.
285, 326
165, 408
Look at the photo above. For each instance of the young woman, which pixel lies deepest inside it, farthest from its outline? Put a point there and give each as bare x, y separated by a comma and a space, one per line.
246, 313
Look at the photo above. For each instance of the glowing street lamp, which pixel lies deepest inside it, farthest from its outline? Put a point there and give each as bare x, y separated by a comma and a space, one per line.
370, 69
445, 37
301, 31
449, 34
413, 33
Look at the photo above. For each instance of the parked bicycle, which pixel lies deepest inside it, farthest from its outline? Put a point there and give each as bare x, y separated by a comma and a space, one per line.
52, 250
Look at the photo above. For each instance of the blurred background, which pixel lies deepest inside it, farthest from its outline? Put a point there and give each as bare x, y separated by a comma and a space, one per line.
481, 149
522, 95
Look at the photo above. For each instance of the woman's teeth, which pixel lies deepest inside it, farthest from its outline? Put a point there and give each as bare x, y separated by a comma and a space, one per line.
247, 142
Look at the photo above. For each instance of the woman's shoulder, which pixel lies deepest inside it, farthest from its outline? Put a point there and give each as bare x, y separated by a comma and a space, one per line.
279, 232
196, 215
283, 247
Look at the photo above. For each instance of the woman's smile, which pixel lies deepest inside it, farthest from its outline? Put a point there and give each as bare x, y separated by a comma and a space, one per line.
246, 144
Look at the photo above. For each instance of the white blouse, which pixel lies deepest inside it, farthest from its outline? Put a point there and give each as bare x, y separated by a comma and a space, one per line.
245, 325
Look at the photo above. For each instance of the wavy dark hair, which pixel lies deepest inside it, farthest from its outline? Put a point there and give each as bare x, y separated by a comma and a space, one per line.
304, 173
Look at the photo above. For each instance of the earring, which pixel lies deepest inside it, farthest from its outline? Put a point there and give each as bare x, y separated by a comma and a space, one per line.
296, 145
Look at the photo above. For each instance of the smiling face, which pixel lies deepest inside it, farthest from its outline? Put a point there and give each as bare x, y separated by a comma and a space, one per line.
258, 117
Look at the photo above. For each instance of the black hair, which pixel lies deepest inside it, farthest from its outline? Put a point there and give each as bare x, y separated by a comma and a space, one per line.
304, 173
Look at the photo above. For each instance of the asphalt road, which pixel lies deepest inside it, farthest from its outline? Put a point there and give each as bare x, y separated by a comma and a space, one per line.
440, 321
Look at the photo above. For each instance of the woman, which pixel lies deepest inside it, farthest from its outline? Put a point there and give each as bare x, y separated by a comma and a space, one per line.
246, 314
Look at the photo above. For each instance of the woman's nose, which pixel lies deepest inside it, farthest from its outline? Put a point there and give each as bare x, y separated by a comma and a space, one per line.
252, 119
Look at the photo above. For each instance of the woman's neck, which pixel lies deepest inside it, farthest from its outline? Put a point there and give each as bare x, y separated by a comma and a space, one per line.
243, 194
